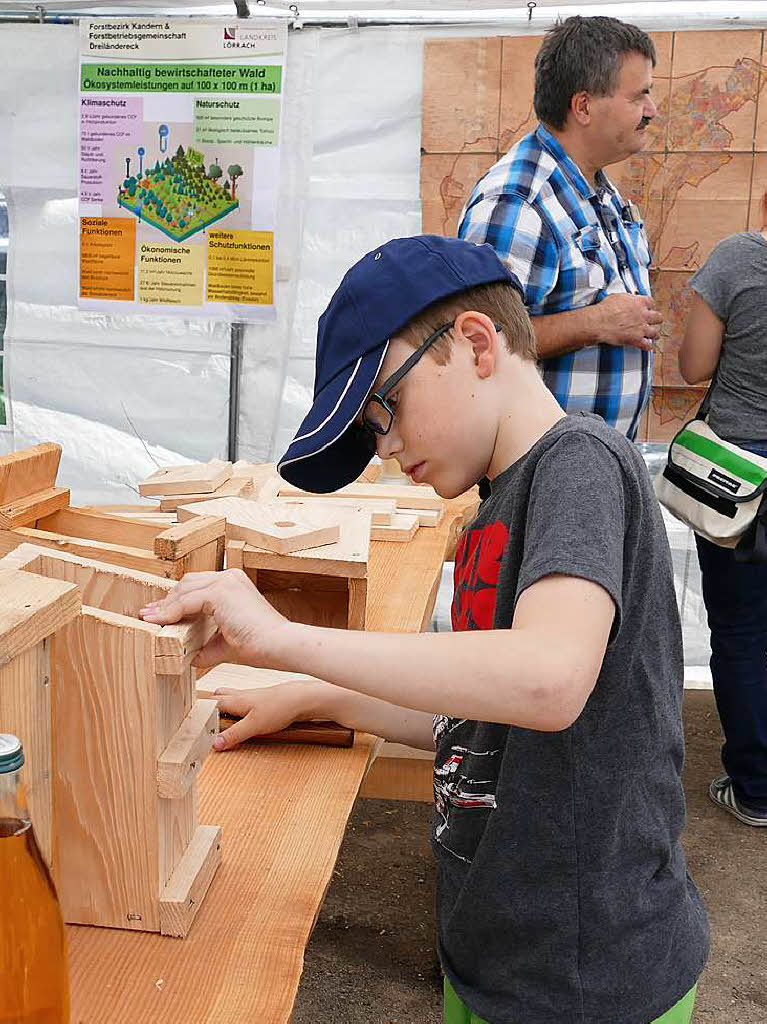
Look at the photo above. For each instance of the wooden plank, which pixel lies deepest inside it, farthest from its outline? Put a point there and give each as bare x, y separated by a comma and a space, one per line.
29, 471
110, 587
382, 510
176, 645
180, 763
240, 487
273, 527
141, 559
198, 478
105, 788
25, 711
177, 819
31, 609
27, 510
402, 528
184, 893
420, 496
245, 677
179, 540
87, 525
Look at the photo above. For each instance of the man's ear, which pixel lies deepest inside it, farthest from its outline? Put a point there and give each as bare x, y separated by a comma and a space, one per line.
480, 333
580, 108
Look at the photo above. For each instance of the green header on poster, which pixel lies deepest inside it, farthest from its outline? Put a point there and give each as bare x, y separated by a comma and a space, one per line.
195, 78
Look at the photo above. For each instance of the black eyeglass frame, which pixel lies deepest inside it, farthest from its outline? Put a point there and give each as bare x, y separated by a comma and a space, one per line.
391, 382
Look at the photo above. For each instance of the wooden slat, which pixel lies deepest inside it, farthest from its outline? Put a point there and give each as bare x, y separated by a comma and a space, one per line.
402, 528
31, 609
190, 881
245, 677
109, 529
140, 559
177, 644
105, 784
198, 478
28, 471
179, 540
413, 496
180, 763
25, 511
240, 487
382, 510
325, 734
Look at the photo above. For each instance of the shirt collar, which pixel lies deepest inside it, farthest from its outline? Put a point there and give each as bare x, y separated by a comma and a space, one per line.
577, 178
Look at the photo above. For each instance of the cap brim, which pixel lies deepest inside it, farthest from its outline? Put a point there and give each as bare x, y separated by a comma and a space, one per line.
329, 449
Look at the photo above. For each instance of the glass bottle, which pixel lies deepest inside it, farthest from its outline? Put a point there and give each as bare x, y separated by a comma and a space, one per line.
34, 985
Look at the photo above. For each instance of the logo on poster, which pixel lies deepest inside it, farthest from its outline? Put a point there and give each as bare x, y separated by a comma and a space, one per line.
230, 34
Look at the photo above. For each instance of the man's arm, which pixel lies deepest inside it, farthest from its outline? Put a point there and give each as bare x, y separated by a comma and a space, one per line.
617, 320
523, 240
538, 674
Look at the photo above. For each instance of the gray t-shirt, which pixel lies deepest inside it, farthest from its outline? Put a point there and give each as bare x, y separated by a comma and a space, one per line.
733, 283
563, 894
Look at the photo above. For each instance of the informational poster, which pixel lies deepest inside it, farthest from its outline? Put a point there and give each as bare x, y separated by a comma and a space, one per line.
179, 165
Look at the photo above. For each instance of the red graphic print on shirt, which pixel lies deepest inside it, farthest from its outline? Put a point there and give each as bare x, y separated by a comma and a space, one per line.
477, 568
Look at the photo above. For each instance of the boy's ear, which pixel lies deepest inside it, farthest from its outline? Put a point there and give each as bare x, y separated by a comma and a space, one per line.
479, 331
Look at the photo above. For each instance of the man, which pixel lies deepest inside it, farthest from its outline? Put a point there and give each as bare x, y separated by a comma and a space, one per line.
579, 251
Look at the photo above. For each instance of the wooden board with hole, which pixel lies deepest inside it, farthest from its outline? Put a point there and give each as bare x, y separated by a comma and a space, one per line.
277, 528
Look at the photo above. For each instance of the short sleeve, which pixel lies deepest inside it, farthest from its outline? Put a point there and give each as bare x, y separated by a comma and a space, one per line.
521, 238
715, 280
575, 521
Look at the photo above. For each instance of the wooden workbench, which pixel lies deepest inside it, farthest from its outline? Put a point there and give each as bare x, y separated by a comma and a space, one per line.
284, 811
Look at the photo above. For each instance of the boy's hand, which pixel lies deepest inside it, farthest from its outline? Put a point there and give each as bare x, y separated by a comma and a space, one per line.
247, 623
261, 711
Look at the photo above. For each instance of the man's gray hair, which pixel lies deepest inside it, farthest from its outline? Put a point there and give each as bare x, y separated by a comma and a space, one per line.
583, 55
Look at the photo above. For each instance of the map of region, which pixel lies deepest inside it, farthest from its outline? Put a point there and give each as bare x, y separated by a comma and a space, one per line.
700, 178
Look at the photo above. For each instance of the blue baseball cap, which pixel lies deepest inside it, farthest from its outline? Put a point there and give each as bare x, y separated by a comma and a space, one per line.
378, 296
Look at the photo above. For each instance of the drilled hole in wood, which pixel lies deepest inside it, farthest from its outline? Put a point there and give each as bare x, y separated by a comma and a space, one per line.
284, 524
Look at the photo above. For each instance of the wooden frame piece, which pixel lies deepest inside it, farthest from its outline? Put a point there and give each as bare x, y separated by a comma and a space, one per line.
28, 509
235, 487
128, 732
31, 610
156, 549
29, 471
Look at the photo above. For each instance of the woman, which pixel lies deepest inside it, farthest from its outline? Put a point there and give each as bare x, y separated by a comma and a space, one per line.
727, 333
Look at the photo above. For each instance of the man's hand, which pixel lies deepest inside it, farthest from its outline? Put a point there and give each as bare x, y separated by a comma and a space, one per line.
248, 626
262, 711
627, 320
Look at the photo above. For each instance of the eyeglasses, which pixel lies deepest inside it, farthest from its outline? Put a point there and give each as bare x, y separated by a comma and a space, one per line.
378, 413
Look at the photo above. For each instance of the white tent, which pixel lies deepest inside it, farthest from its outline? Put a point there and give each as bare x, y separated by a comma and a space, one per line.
126, 392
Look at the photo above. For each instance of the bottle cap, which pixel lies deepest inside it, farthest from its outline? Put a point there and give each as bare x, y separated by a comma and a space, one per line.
11, 753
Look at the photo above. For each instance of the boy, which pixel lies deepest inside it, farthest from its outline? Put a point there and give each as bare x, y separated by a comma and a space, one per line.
563, 896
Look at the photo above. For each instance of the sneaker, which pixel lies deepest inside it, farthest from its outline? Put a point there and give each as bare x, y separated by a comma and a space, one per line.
721, 792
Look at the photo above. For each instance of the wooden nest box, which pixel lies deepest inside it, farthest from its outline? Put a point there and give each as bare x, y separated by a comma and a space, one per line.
126, 740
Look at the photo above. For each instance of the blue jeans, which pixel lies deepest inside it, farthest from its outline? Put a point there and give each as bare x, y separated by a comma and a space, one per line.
735, 595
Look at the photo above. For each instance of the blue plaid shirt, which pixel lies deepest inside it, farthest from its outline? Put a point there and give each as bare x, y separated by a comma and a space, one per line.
570, 246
